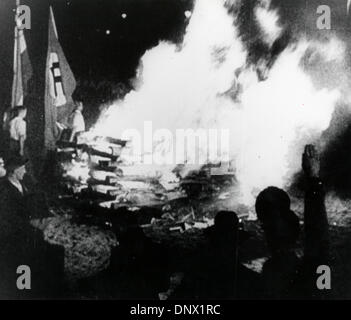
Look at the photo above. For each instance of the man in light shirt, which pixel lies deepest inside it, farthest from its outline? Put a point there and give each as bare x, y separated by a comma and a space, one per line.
2, 168
76, 122
18, 132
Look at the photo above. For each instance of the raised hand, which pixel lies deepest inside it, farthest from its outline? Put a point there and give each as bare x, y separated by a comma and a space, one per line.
311, 161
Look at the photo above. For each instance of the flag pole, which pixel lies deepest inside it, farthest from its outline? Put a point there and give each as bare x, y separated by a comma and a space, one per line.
18, 3
15, 58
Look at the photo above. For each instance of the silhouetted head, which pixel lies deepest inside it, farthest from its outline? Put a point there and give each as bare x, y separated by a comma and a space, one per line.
16, 167
79, 106
280, 224
225, 230
226, 221
271, 202
20, 111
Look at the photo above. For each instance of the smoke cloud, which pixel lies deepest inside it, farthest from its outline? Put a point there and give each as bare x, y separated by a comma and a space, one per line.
271, 107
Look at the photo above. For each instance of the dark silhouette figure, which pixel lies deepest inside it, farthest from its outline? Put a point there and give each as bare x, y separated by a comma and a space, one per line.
214, 272
281, 228
138, 266
316, 228
284, 275
22, 244
315, 215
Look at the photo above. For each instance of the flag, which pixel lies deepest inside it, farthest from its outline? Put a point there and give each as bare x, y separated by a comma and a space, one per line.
22, 68
60, 84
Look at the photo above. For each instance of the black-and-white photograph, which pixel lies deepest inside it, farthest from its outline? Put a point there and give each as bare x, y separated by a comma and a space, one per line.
175, 150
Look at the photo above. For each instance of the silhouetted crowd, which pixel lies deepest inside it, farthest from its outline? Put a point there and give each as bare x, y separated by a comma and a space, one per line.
141, 269
219, 274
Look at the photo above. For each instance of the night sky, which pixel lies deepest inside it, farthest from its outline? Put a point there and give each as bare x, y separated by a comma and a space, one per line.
82, 26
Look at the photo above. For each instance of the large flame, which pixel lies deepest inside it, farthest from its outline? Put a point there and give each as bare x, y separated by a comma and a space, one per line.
206, 82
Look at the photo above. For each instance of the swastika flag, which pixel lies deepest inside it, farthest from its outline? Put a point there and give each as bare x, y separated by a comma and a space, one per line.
60, 85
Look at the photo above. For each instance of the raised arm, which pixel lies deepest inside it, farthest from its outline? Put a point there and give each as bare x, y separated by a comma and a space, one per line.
315, 215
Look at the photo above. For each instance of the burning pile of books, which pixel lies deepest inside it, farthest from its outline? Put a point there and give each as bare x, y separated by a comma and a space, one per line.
103, 172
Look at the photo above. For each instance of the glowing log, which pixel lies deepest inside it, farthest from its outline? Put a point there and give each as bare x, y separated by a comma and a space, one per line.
106, 151
98, 159
76, 189
107, 154
105, 189
134, 185
119, 142
101, 175
109, 181
68, 144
